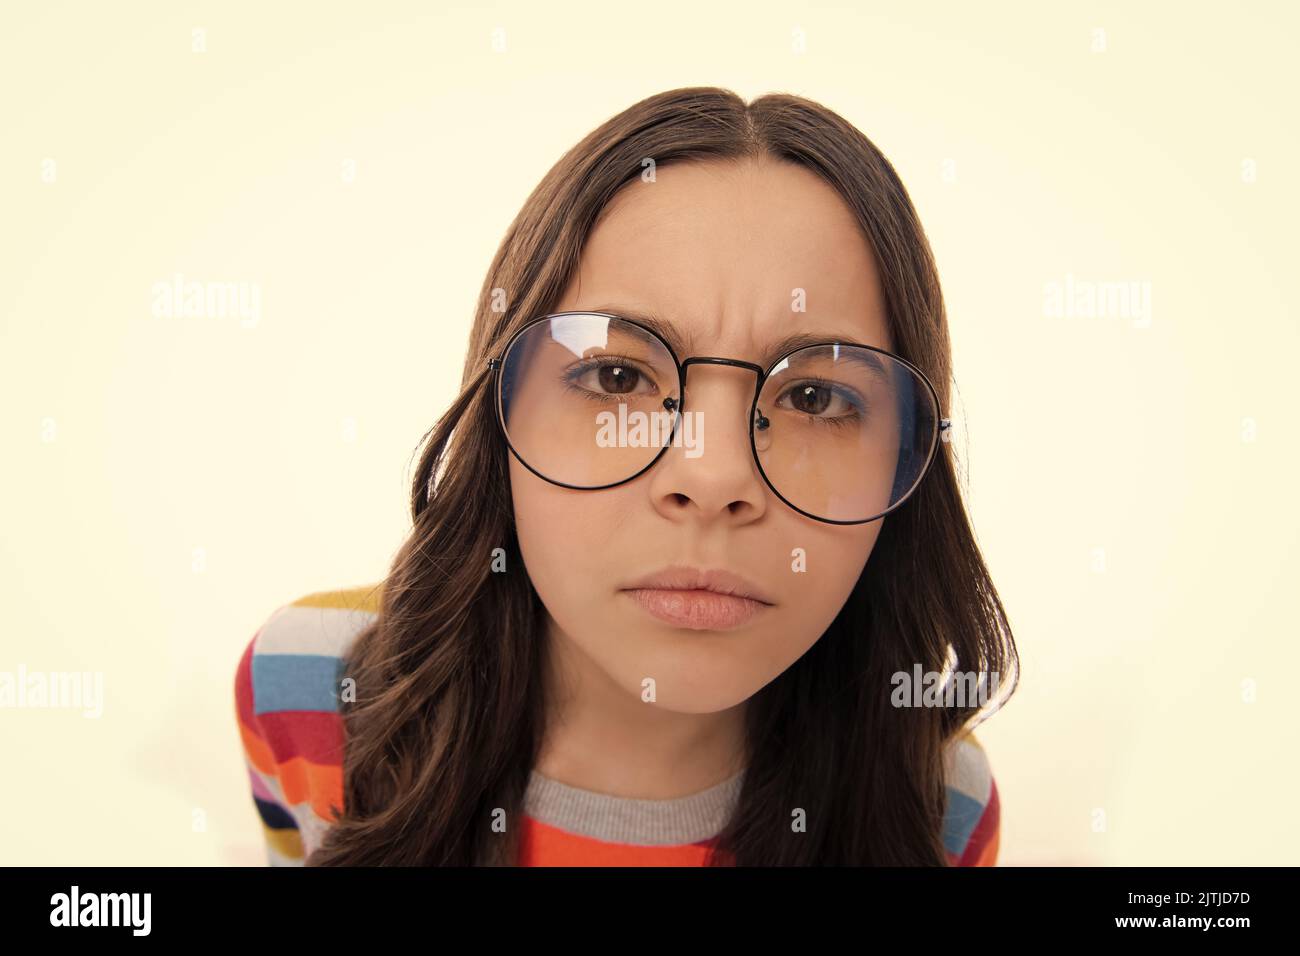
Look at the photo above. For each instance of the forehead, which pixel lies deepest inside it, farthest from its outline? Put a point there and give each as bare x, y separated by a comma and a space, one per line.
732, 258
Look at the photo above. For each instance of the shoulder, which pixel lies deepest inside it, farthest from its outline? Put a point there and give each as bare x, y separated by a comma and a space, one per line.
972, 818
294, 657
287, 699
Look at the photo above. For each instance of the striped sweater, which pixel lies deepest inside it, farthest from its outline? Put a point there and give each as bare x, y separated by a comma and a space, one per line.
291, 728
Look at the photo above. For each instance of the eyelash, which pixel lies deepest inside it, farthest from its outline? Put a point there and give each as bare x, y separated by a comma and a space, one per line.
601, 398
843, 421
571, 376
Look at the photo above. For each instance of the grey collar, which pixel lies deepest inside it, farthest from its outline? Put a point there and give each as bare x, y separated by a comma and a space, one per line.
612, 819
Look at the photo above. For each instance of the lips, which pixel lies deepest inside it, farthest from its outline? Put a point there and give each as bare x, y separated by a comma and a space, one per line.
698, 599
682, 578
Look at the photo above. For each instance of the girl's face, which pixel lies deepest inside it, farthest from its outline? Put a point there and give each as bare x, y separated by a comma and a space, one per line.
720, 252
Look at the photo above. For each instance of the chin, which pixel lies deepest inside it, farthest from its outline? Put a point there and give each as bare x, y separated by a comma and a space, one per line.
699, 703
685, 689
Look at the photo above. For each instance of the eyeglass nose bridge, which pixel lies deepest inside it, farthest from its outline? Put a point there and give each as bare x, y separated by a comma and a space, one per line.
758, 371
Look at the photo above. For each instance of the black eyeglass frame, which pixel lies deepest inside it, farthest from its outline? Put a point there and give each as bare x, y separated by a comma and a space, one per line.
496, 365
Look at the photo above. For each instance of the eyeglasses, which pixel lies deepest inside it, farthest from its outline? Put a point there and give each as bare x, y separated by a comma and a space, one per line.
842, 433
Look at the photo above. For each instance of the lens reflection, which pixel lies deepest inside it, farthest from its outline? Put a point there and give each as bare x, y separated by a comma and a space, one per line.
582, 399
848, 431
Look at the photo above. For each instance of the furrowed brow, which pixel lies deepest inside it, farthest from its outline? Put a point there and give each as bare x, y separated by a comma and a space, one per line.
869, 360
684, 344
663, 328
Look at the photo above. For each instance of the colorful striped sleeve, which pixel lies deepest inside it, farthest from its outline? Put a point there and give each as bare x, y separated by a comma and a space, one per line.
972, 820
288, 702
283, 838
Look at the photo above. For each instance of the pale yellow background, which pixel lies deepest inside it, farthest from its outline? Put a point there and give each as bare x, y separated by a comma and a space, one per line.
1132, 484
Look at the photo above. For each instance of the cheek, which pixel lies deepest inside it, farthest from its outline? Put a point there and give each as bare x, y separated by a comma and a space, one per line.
565, 536
847, 550
821, 568
539, 516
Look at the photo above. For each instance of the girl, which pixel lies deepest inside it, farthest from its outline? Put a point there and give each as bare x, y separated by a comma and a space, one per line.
686, 546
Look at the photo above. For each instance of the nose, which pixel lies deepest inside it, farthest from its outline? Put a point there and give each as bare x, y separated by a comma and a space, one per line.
709, 470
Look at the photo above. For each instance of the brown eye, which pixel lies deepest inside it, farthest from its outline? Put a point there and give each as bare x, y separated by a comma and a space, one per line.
810, 399
618, 379
608, 377
823, 404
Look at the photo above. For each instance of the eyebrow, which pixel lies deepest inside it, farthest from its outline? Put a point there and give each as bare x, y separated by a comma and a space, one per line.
685, 345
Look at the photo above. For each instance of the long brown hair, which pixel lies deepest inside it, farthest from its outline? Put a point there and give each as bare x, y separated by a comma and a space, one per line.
449, 693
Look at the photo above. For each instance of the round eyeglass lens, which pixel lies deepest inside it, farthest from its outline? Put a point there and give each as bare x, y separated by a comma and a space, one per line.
582, 398
844, 432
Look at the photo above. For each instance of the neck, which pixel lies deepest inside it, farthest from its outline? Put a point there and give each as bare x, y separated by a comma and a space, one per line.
601, 736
